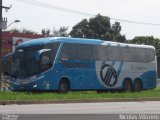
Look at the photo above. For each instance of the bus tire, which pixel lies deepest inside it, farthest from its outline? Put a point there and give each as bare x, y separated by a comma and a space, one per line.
64, 86
138, 85
127, 85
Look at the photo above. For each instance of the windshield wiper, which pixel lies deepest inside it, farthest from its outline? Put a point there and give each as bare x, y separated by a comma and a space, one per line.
22, 66
18, 69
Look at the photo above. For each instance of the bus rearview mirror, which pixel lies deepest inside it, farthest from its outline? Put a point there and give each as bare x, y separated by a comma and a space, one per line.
40, 52
6, 64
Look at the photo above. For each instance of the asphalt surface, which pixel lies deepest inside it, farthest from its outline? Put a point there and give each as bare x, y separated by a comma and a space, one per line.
150, 107
61, 117
80, 111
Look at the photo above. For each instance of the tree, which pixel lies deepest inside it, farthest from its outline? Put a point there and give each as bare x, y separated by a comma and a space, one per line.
61, 32
98, 27
46, 32
15, 30
26, 31
147, 40
81, 30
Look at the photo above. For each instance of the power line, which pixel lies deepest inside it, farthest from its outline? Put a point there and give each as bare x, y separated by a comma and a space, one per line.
45, 5
49, 6
135, 22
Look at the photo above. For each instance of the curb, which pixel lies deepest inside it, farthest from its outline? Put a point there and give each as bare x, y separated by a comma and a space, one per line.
23, 102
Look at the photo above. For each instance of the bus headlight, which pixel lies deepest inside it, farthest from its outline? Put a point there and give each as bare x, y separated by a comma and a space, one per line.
34, 86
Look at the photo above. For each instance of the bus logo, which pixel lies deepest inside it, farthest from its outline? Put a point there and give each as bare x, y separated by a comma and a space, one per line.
108, 75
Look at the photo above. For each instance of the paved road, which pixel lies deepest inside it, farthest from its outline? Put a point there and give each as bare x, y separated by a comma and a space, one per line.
84, 108
62, 117
80, 111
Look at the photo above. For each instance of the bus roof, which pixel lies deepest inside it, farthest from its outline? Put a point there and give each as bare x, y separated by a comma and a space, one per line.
47, 40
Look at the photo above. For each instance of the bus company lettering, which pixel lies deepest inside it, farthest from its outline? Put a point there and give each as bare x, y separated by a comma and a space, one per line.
108, 75
75, 65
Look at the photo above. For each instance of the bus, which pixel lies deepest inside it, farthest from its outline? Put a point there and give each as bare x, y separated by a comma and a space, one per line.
65, 64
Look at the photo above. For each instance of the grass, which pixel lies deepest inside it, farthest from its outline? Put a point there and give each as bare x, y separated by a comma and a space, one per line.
79, 95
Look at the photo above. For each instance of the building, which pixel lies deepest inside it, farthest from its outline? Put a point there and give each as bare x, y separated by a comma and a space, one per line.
10, 40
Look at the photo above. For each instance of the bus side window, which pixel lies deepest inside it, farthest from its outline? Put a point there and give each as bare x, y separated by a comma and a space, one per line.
54, 47
68, 52
150, 55
140, 55
115, 53
45, 62
84, 52
128, 54
100, 53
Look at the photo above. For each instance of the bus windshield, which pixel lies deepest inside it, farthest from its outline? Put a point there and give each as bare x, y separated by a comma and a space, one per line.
24, 63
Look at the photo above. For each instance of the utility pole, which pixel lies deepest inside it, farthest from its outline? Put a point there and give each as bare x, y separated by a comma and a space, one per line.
1, 22
1, 44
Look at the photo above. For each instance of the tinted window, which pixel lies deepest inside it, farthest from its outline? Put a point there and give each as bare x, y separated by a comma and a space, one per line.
140, 55
69, 52
150, 55
45, 63
103, 53
54, 48
100, 53
77, 52
84, 52
115, 53
128, 54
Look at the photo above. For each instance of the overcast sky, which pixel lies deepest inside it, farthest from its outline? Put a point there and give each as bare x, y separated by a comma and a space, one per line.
35, 18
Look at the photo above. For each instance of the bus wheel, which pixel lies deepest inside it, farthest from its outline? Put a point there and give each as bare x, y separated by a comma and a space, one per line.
138, 85
127, 86
64, 86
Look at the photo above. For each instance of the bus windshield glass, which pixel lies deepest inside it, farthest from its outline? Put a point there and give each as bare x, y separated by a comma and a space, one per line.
24, 63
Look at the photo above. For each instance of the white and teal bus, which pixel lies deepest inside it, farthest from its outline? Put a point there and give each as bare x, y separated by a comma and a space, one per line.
66, 64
